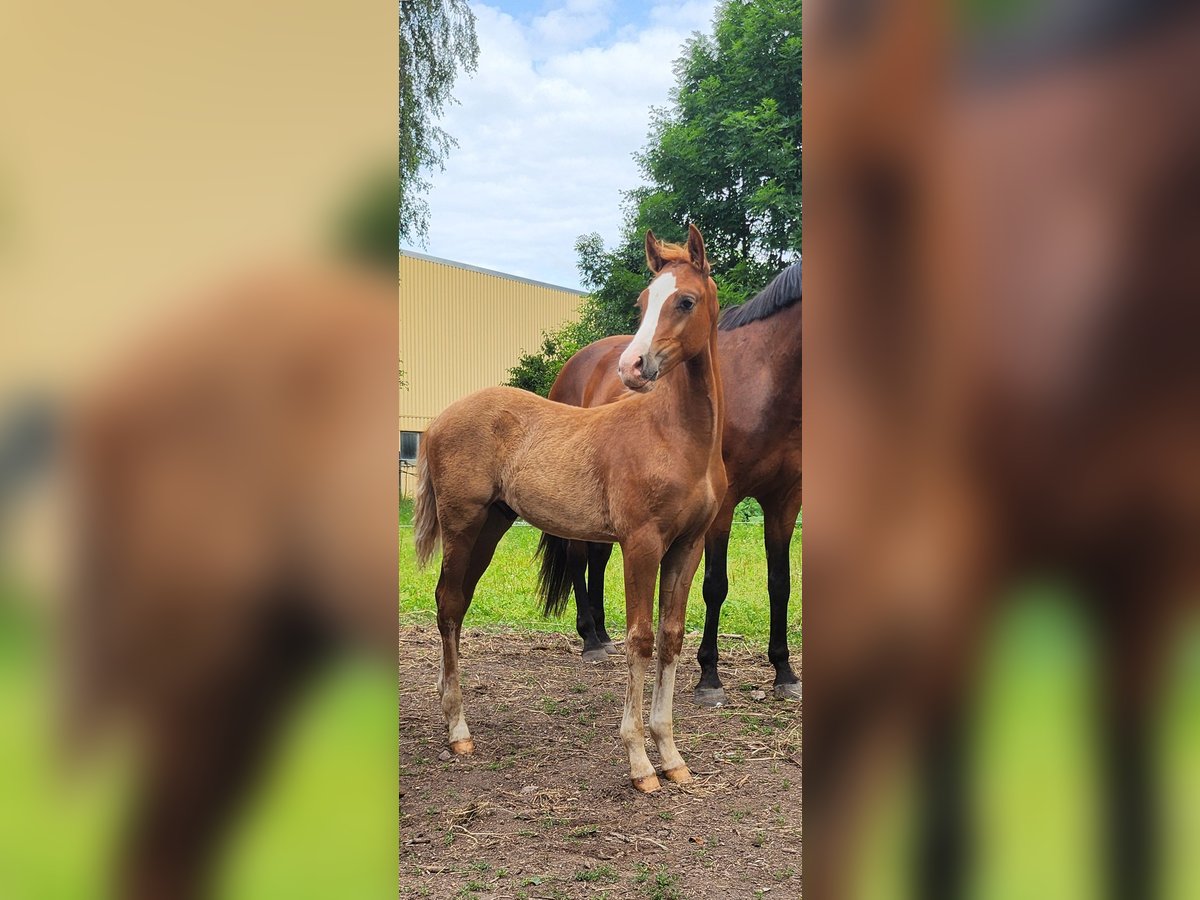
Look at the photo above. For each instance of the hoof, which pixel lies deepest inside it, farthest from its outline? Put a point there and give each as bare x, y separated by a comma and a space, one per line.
705, 696
647, 785
597, 655
789, 691
462, 748
610, 647
678, 775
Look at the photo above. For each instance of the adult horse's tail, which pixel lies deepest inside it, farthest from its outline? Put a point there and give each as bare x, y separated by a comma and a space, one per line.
426, 530
554, 577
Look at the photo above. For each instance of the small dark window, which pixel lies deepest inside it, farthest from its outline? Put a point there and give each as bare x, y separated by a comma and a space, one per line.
409, 441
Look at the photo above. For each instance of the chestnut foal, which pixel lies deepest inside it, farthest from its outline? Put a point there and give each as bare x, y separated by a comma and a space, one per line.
645, 473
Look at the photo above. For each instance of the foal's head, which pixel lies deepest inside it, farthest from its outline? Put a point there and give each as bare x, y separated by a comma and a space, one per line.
679, 311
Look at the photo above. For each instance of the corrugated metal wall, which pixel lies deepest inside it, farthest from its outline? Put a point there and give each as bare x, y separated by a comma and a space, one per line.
463, 329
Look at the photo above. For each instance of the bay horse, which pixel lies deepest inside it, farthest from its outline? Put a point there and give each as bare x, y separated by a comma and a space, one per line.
1002, 382
645, 473
760, 360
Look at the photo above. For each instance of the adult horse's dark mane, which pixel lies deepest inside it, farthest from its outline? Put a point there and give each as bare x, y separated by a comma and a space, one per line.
782, 292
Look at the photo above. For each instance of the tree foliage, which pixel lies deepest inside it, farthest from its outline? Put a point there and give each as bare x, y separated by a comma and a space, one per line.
437, 41
724, 154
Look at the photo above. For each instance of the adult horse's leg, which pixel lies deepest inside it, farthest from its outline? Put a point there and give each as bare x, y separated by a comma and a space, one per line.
577, 563
462, 565
597, 561
678, 568
945, 836
779, 519
642, 555
709, 691
205, 749
1136, 626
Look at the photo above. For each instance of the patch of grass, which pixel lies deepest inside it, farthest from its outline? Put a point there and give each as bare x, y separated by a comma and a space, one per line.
583, 831
666, 815
598, 873
658, 884
503, 598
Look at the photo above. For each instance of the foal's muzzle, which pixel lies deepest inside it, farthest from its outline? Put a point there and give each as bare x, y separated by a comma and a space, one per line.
639, 374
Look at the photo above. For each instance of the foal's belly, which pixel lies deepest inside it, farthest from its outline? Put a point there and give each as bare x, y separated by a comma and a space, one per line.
560, 494
566, 515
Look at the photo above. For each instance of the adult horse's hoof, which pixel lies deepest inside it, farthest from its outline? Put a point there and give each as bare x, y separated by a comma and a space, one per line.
597, 655
678, 775
462, 748
647, 785
706, 696
610, 647
789, 691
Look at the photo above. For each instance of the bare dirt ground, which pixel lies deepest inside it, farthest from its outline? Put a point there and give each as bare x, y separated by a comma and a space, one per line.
544, 808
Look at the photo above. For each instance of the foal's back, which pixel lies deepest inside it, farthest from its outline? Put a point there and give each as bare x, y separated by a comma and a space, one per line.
504, 444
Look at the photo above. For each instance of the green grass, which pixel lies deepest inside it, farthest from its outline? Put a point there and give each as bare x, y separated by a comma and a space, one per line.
1037, 791
322, 824
506, 597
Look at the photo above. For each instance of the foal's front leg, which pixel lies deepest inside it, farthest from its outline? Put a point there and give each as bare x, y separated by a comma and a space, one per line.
678, 568
641, 566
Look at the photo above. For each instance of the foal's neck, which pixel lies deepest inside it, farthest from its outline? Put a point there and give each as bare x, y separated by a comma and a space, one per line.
694, 397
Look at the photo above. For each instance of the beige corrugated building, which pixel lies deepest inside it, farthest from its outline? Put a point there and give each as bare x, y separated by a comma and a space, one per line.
461, 329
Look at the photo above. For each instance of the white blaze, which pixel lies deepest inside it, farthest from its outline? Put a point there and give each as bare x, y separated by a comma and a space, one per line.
661, 288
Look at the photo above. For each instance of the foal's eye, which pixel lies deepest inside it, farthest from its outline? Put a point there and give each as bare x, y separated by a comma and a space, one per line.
686, 303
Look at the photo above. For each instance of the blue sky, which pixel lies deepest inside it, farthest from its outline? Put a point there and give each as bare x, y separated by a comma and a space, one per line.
547, 127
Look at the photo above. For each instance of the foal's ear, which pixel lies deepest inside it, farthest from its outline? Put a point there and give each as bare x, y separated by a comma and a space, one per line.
653, 252
695, 247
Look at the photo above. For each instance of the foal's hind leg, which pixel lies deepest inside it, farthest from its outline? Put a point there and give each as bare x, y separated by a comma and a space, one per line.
678, 567
466, 555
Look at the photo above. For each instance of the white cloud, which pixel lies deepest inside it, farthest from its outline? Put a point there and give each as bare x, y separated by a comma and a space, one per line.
546, 130
572, 24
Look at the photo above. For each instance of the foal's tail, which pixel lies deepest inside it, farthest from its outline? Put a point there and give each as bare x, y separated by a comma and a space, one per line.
554, 577
426, 530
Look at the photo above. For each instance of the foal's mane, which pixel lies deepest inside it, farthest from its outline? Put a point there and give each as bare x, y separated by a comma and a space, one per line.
674, 252
782, 292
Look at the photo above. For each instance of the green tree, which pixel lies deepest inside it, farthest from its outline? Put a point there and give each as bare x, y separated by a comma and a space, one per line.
437, 41
724, 154
365, 226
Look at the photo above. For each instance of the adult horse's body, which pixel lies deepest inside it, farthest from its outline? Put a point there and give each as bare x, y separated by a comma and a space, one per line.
646, 473
1003, 383
760, 359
